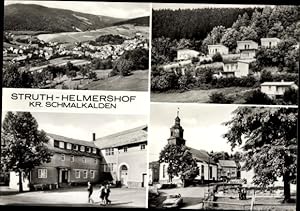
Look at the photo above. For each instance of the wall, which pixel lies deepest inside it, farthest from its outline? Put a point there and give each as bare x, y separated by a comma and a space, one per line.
14, 181
243, 69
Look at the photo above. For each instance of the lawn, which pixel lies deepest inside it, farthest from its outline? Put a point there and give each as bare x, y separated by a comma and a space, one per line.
138, 81
198, 96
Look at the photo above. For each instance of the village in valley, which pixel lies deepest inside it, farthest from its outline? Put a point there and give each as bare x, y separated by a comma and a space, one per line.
206, 163
251, 58
111, 57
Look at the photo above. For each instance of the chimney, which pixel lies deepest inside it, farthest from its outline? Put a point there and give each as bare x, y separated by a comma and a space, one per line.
94, 136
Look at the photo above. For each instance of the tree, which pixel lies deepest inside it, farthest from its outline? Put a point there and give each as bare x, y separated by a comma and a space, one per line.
258, 97
219, 97
248, 33
217, 57
290, 96
268, 137
241, 21
92, 75
13, 77
123, 66
230, 38
180, 162
216, 156
24, 145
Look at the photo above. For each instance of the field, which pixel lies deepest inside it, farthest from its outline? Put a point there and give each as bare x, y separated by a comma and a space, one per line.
198, 96
138, 81
72, 37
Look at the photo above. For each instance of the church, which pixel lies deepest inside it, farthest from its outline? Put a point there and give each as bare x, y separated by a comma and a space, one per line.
207, 168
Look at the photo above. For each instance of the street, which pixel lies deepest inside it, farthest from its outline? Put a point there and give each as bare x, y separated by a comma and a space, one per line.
75, 196
192, 196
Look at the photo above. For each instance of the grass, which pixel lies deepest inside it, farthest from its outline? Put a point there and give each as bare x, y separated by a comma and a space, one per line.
138, 81
71, 37
197, 96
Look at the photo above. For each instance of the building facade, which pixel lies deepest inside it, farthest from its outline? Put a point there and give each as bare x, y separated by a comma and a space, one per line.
186, 54
228, 169
247, 48
276, 89
269, 42
73, 162
153, 172
213, 49
125, 157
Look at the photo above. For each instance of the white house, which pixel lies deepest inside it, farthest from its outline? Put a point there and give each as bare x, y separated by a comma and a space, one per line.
207, 168
243, 68
213, 49
269, 42
277, 89
185, 54
246, 44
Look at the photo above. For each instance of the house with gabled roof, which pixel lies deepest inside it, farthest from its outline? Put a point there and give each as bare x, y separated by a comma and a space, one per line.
219, 48
125, 156
269, 42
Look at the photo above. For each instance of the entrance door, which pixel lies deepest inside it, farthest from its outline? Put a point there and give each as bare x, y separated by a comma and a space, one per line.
64, 178
124, 175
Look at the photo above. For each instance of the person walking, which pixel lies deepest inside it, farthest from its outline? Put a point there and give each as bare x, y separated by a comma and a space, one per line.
102, 194
107, 193
90, 192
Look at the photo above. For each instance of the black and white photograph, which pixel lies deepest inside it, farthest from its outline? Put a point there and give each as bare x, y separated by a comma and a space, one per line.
229, 54
76, 45
73, 160
222, 157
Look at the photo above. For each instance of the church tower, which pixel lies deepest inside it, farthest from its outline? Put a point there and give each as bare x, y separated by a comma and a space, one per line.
176, 133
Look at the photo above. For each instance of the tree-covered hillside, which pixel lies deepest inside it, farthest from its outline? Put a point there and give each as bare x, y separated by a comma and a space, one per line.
193, 23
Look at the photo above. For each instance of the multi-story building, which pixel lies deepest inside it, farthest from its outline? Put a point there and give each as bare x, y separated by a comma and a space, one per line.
269, 42
207, 167
73, 162
228, 169
213, 49
247, 49
125, 157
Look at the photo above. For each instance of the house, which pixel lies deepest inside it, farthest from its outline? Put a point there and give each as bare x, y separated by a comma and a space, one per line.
276, 89
186, 54
269, 42
243, 68
247, 49
73, 162
153, 172
213, 49
125, 157
230, 65
228, 169
207, 167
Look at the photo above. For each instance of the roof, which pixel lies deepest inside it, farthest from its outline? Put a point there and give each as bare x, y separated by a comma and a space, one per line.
246, 41
227, 163
201, 155
247, 61
132, 136
231, 58
217, 45
270, 38
186, 49
278, 83
71, 140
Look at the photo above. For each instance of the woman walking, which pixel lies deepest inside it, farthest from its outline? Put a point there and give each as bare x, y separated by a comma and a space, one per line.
90, 191
107, 193
102, 194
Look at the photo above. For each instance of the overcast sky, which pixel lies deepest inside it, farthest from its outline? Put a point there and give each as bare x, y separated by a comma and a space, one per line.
82, 126
174, 6
202, 126
112, 9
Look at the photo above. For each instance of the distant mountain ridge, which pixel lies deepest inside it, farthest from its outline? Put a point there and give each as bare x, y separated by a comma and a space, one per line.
32, 17
140, 21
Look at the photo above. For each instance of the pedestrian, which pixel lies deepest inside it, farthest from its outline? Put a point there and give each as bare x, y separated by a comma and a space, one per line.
107, 193
90, 191
102, 194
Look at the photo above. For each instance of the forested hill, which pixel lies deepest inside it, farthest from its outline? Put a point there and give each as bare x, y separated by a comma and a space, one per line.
141, 21
33, 17
193, 23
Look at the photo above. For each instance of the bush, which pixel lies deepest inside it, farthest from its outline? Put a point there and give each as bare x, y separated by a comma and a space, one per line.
92, 75
257, 97
290, 96
123, 67
217, 57
220, 98
195, 60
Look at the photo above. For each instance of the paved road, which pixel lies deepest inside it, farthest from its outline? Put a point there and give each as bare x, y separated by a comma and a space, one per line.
192, 196
120, 197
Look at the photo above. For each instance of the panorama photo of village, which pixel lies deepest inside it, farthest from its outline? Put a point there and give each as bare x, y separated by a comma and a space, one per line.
71, 45
222, 157
73, 160
232, 54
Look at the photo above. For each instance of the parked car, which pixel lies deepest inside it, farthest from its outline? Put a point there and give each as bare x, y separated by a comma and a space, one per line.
173, 201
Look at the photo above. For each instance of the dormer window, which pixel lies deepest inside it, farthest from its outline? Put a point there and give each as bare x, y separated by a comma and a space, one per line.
75, 147
82, 148
94, 151
61, 144
69, 146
